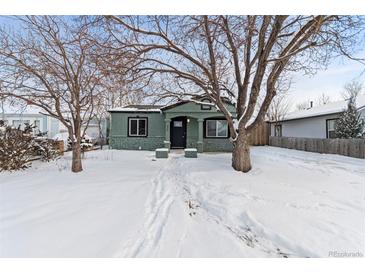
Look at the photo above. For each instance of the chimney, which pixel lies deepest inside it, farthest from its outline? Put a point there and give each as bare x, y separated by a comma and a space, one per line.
310, 104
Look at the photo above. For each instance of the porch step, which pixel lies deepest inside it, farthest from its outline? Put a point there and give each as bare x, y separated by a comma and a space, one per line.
162, 153
191, 153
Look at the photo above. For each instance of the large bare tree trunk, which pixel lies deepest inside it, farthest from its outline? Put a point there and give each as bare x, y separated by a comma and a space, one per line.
76, 145
241, 160
76, 156
101, 135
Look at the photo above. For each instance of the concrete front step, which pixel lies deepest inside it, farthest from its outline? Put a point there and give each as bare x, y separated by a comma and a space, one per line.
191, 153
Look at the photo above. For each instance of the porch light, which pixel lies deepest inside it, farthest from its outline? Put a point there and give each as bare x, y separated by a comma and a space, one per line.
188, 120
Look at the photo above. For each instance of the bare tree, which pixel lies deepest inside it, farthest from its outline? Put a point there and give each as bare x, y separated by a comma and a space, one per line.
323, 99
2, 100
352, 90
280, 104
303, 105
278, 109
101, 107
234, 57
114, 95
51, 63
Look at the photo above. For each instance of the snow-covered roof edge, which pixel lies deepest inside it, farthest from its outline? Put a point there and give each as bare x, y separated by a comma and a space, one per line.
20, 110
327, 109
154, 108
131, 109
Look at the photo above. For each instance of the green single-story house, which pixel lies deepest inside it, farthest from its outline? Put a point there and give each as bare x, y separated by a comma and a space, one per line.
185, 124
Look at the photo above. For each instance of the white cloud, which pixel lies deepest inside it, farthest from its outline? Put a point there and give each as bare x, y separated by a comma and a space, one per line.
330, 81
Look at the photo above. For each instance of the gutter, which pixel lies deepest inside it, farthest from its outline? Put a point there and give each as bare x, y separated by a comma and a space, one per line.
133, 111
301, 118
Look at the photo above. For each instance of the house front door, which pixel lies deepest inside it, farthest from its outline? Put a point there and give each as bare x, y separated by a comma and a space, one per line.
178, 132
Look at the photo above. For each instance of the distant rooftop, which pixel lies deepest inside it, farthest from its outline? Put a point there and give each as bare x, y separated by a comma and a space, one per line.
329, 108
20, 109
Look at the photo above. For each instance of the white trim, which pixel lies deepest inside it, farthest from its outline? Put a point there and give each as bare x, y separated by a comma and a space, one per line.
216, 129
328, 127
276, 132
124, 109
191, 149
129, 127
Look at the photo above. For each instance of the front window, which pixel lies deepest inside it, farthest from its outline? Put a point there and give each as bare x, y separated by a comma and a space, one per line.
137, 127
278, 130
216, 129
178, 124
37, 125
22, 124
330, 127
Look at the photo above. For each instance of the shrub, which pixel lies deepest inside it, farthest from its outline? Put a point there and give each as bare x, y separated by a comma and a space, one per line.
19, 147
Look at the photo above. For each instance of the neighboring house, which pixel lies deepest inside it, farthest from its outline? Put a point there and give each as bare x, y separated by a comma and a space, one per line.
16, 117
93, 130
186, 124
315, 122
22, 116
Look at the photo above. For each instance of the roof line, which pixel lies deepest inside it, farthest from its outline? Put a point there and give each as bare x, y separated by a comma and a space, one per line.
175, 104
136, 111
315, 115
300, 118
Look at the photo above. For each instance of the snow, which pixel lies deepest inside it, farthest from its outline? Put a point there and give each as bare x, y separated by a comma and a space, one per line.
62, 136
334, 107
191, 149
127, 204
131, 109
162, 149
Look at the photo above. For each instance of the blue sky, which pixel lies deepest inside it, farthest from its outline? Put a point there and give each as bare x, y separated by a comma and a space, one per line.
329, 81
304, 87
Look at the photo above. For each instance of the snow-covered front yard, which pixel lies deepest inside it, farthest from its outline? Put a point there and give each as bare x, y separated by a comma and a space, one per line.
125, 204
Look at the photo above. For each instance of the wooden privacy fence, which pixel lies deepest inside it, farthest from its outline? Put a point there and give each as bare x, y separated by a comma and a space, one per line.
347, 147
260, 135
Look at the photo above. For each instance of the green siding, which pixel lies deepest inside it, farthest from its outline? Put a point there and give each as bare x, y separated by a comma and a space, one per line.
192, 108
192, 133
119, 131
212, 145
156, 128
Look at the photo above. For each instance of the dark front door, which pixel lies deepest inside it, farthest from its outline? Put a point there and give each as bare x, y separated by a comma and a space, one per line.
178, 132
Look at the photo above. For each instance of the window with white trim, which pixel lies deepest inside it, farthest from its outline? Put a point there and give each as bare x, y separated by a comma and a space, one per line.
278, 130
21, 123
137, 127
216, 129
37, 125
330, 127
